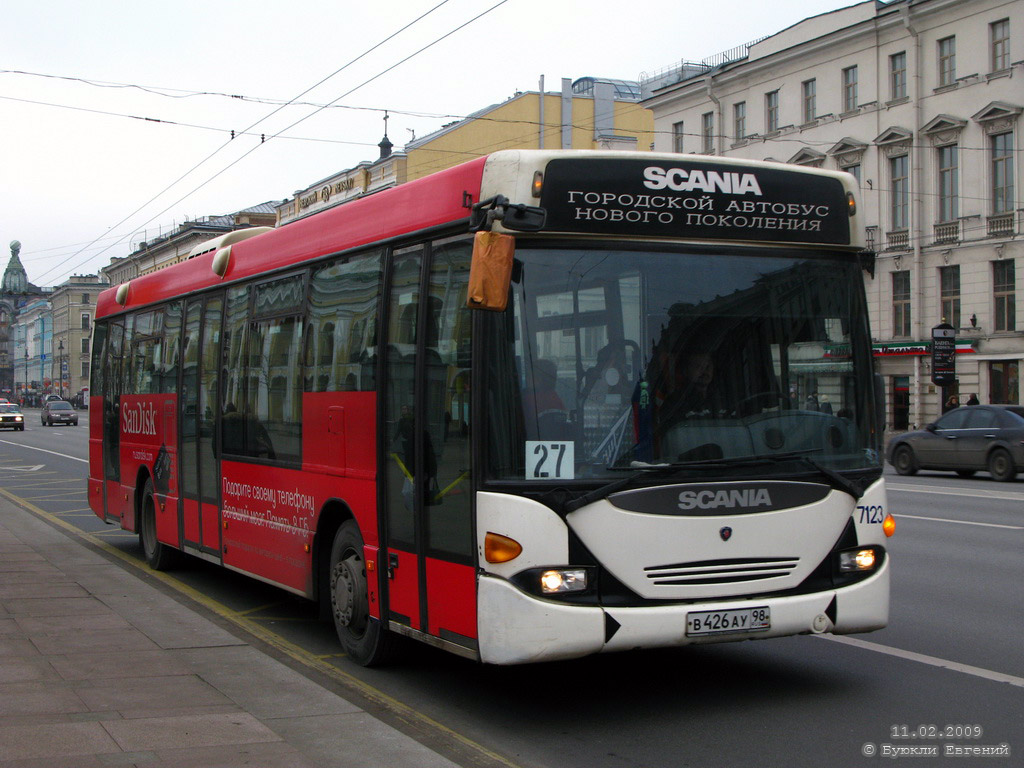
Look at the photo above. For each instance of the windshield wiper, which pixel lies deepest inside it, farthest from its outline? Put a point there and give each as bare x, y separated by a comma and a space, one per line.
646, 470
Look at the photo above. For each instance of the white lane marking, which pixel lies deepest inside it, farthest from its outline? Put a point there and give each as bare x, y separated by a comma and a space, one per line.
961, 522
934, 661
32, 447
1004, 495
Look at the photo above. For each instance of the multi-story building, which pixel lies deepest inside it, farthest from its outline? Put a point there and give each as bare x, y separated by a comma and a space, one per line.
33, 332
921, 100
72, 305
16, 292
590, 113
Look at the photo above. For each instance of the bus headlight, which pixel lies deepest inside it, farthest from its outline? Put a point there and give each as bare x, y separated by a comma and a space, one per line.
555, 582
863, 559
570, 582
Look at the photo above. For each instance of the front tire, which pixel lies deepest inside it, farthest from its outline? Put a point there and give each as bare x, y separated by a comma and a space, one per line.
904, 460
1000, 465
365, 640
159, 556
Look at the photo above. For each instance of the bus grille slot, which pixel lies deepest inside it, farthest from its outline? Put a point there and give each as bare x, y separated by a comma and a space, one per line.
721, 571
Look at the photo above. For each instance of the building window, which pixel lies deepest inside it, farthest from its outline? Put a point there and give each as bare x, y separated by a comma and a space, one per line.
707, 132
1004, 382
949, 289
947, 61
86, 320
677, 137
898, 75
739, 119
1004, 295
949, 172
1002, 173
85, 298
899, 192
849, 89
771, 111
85, 369
901, 303
810, 100
853, 170
85, 346
1000, 31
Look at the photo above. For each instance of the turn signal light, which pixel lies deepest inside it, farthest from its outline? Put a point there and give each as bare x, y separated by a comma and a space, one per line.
500, 549
889, 525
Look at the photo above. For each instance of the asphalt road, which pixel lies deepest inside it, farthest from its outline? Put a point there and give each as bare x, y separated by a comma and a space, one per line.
953, 655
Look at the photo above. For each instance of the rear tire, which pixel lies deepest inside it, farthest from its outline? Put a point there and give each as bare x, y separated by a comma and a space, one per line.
1000, 465
159, 556
366, 641
904, 460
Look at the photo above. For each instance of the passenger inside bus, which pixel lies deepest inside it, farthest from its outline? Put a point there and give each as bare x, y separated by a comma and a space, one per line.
543, 408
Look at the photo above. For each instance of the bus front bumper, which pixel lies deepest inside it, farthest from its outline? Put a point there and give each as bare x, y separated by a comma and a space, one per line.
517, 628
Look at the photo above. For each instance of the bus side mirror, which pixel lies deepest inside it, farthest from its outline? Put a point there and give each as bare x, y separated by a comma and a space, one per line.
490, 271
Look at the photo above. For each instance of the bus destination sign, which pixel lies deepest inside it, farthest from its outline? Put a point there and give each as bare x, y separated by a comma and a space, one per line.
682, 198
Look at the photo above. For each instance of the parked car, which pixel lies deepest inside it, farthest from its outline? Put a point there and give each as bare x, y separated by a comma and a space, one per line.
11, 417
58, 412
965, 440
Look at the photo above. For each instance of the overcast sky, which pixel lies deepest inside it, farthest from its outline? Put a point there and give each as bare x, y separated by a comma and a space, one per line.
116, 115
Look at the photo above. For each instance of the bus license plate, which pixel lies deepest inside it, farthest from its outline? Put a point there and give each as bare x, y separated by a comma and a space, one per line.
756, 619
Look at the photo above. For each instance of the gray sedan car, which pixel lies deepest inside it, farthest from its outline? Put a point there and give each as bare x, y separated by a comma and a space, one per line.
965, 440
58, 412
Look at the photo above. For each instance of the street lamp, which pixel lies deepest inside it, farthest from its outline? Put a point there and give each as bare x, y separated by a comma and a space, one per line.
60, 366
26, 373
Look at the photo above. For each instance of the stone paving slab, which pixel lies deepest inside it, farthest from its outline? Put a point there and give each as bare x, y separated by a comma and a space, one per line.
55, 740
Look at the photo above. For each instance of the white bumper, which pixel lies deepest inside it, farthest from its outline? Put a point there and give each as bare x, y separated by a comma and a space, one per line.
517, 628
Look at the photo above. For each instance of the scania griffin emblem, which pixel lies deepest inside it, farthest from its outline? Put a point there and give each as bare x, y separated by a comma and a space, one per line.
725, 533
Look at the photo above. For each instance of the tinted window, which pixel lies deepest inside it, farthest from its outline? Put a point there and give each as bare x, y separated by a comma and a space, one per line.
1016, 416
982, 417
63, 406
953, 420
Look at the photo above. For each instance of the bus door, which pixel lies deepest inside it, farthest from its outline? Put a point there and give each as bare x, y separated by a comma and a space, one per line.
199, 510
428, 531
115, 501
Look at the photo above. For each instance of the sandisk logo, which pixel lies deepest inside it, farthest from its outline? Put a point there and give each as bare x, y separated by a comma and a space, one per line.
745, 497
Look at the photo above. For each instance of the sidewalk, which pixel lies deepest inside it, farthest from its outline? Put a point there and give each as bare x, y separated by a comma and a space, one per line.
98, 668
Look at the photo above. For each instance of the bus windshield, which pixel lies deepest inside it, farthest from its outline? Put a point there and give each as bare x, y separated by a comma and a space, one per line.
616, 359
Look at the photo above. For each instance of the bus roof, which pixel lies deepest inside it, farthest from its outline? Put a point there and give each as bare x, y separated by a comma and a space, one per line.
428, 202
671, 195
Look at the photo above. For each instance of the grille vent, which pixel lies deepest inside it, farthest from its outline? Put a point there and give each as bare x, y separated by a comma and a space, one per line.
721, 571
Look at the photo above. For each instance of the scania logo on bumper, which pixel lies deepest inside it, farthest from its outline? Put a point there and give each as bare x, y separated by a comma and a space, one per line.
725, 533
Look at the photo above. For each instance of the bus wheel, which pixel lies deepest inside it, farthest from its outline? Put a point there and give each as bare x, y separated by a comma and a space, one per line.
159, 556
364, 639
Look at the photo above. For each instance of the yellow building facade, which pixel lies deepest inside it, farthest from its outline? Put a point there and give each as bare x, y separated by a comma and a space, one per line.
589, 113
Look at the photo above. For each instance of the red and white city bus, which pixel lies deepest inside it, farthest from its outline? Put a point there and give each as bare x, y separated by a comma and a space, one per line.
540, 405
